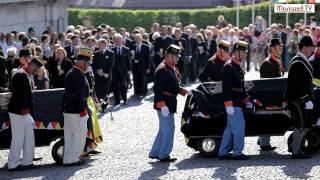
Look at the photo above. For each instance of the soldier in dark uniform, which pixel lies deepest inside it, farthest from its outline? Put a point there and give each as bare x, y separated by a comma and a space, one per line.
214, 67
20, 109
299, 93
234, 95
166, 88
271, 68
75, 109
121, 69
102, 64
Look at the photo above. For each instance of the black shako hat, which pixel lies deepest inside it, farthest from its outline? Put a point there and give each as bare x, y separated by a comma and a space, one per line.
276, 42
174, 49
306, 41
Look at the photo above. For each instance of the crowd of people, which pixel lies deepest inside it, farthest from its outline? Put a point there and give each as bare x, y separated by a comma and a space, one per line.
92, 62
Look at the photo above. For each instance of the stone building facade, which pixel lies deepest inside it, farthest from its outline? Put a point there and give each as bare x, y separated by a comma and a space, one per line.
18, 15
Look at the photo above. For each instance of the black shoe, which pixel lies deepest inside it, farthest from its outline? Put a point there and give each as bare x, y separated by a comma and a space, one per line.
168, 159
267, 148
37, 159
24, 168
79, 163
226, 157
94, 152
154, 157
300, 156
240, 157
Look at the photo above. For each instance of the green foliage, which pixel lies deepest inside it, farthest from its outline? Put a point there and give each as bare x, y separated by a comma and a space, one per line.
200, 17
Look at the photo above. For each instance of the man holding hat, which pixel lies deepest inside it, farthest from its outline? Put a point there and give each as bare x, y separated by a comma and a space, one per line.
166, 89
20, 109
234, 95
213, 69
271, 68
299, 93
75, 108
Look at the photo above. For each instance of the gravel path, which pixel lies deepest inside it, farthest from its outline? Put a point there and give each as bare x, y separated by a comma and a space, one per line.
128, 139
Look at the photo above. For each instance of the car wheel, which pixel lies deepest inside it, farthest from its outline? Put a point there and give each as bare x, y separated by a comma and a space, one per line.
57, 151
209, 147
310, 143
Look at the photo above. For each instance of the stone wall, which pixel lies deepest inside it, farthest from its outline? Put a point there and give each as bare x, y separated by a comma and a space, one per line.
19, 15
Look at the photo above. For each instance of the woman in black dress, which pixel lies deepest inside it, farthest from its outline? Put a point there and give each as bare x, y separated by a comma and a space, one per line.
58, 67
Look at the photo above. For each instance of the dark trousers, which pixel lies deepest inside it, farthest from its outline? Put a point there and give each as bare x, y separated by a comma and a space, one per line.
119, 87
193, 70
102, 86
139, 82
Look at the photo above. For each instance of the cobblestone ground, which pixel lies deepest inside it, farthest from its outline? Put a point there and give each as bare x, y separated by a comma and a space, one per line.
128, 138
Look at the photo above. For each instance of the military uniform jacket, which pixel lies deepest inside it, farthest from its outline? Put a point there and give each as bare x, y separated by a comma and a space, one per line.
316, 66
21, 101
271, 68
104, 61
166, 88
213, 70
299, 83
233, 90
76, 92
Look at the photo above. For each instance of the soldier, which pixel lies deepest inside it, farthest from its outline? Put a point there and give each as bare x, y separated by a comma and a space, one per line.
299, 93
121, 69
234, 95
271, 68
20, 109
214, 67
166, 88
102, 64
75, 109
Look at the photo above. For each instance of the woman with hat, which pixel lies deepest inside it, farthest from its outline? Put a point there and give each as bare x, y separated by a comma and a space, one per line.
75, 109
234, 95
166, 89
213, 69
299, 93
20, 109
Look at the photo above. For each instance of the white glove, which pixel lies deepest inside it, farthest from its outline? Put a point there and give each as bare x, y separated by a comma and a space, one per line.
230, 110
106, 75
249, 105
189, 93
318, 122
165, 111
309, 105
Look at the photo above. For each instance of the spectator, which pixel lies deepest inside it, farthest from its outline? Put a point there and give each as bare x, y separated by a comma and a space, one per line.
45, 46
41, 81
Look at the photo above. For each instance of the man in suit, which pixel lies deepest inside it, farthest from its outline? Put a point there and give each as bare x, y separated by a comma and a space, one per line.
120, 70
70, 49
140, 65
126, 40
102, 64
183, 61
155, 28
211, 44
300, 95
162, 43
193, 44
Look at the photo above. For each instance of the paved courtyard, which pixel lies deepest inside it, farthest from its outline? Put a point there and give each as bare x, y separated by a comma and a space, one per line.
128, 138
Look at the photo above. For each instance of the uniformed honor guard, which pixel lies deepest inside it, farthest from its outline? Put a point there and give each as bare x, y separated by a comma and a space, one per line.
234, 95
271, 68
20, 109
299, 94
166, 88
75, 109
213, 69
